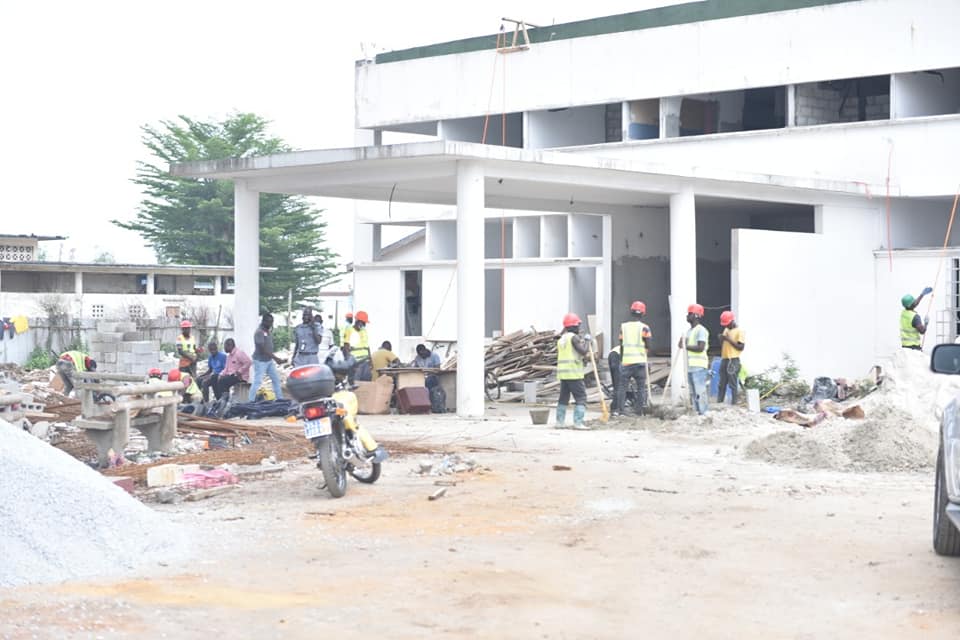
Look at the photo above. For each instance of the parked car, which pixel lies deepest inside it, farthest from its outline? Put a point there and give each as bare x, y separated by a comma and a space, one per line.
946, 501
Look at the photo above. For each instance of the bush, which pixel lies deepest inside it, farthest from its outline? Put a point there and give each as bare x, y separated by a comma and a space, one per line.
282, 337
39, 358
782, 380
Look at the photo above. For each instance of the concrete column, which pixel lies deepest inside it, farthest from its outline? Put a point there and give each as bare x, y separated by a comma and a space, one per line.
217, 285
791, 105
78, 283
683, 275
670, 117
246, 264
151, 284
470, 289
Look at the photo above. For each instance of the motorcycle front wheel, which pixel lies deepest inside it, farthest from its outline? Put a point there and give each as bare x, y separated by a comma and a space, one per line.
367, 474
331, 464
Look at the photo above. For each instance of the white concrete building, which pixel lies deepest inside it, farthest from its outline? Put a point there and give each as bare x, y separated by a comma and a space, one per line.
94, 291
788, 159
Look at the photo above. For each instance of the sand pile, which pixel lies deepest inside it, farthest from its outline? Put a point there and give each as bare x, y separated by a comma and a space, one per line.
887, 440
911, 387
61, 520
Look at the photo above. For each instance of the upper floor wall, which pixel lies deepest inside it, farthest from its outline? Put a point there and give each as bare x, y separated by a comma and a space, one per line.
845, 39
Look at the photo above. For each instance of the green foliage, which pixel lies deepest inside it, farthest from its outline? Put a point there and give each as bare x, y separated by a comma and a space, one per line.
168, 347
190, 221
282, 337
782, 380
40, 358
76, 344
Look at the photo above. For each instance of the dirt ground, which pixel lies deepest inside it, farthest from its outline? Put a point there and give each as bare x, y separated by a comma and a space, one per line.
652, 532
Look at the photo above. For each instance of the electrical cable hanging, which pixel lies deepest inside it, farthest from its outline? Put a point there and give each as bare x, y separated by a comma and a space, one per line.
943, 254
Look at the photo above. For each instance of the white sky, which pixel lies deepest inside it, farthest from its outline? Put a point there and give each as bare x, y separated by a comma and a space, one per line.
79, 79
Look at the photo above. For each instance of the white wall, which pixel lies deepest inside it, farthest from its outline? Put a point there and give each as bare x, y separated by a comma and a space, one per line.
553, 236
790, 47
925, 94
536, 296
116, 305
585, 236
526, 237
809, 295
440, 303
379, 292
922, 164
918, 224
441, 240
471, 129
580, 125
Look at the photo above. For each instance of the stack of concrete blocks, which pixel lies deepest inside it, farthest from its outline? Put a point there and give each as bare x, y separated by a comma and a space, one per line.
118, 347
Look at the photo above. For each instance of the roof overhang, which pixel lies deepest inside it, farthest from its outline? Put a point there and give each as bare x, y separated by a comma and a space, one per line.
425, 172
132, 269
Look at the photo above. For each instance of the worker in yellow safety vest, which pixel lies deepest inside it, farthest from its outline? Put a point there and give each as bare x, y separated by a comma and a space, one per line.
190, 388
911, 326
635, 338
359, 340
570, 351
71, 362
187, 349
347, 330
694, 345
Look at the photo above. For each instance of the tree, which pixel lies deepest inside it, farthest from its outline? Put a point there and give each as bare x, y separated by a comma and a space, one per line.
105, 257
190, 221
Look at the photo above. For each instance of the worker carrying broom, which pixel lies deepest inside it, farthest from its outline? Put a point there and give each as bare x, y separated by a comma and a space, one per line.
571, 349
911, 326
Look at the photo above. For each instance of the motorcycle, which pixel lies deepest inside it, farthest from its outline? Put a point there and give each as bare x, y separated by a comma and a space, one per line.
330, 423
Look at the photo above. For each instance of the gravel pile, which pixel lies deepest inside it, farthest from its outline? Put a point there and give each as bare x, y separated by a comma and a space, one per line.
61, 520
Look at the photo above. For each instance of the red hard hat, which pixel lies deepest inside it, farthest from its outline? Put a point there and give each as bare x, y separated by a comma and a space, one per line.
174, 375
362, 316
695, 309
349, 315
638, 306
154, 373
571, 320
186, 324
726, 318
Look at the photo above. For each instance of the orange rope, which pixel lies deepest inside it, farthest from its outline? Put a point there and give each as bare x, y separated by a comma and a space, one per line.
889, 240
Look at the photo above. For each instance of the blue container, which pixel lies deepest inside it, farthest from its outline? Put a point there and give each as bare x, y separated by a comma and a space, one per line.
638, 131
715, 382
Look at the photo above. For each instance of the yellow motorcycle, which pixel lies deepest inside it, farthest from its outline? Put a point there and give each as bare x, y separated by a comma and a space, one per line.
342, 445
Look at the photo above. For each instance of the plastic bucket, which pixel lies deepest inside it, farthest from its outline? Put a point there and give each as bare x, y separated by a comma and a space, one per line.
540, 416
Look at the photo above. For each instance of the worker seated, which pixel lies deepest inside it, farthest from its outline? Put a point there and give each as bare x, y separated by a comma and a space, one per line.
191, 391
427, 359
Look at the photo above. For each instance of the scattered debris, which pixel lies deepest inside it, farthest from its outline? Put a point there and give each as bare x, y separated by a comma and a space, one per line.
203, 494
439, 493
651, 490
447, 465
561, 467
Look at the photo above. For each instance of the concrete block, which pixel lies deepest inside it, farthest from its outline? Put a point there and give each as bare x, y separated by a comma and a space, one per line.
107, 358
106, 327
164, 475
144, 346
124, 327
125, 347
102, 347
109, 337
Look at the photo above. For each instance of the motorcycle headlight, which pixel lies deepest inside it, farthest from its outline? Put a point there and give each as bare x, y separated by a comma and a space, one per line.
951, 451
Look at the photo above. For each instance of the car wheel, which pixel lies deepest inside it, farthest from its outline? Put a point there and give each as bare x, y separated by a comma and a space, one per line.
946, 537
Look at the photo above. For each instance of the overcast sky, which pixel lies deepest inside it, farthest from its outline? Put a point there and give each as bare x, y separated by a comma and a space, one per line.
80, 79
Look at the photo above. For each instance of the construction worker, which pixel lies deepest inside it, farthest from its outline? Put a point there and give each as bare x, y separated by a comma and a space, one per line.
731, 346
570, 351
265, 361
635, 338
71, 362
187, 349
694, 345
190, 388
347, 329
911, 326
359, 340
307, 339
155, 376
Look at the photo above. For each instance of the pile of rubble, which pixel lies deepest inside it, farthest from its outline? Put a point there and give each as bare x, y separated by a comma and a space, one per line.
44, 493
448, 465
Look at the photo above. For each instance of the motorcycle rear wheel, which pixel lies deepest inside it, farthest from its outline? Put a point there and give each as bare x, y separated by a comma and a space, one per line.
334, 473
367, 474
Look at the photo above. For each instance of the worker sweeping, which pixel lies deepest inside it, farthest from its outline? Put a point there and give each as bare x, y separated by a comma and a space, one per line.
694, 345
911, 326
571, 349
731, 346
635, 338
71, 362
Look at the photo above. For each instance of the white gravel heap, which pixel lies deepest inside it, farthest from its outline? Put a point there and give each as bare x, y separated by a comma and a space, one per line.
61, 520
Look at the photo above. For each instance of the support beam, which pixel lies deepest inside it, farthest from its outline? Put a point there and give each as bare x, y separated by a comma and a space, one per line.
670, 117
791, 105
470, 290
78, 283
151, 284
683, 275
246, 264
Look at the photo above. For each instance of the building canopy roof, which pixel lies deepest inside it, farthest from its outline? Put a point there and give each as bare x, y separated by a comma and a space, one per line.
425, 172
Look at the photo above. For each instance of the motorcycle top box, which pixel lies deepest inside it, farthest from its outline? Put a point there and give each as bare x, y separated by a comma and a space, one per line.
310, 382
